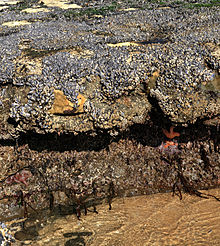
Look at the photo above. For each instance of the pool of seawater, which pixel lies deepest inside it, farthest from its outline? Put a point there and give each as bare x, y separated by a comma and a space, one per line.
158, 219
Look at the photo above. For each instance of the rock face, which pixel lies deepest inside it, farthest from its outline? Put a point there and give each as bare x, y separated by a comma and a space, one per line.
76, 58
87, 102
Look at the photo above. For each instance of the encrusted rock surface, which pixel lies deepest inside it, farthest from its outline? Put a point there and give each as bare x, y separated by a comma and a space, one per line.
76, 57
87, 96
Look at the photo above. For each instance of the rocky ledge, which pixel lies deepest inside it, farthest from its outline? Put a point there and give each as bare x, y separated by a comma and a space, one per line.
73, 76
114, 101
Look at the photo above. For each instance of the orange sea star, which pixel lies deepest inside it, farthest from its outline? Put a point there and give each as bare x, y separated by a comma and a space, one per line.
169, 143
171, 134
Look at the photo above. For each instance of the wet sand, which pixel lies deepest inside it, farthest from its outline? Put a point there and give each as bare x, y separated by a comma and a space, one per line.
158, 219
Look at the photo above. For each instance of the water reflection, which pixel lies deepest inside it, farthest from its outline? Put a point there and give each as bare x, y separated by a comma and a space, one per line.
78, 240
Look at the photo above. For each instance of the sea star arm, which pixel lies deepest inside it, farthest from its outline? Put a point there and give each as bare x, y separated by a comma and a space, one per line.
171, 134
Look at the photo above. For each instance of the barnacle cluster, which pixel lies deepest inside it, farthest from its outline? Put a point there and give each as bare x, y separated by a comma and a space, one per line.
8, 52
82, 58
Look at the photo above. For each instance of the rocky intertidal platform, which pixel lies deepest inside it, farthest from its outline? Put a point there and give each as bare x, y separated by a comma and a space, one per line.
115, 102
104, 70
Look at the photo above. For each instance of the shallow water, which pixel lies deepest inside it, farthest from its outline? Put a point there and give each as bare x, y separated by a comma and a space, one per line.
159, 219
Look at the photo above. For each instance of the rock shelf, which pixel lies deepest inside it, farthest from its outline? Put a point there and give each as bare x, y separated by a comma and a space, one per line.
86, 96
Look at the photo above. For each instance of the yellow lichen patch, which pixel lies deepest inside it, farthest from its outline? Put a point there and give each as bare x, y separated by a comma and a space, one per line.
123, 44
25, 63
81, 101
26, 66
98, 16
155, 75
213, 85
61, 103
152, 81
8, 2
16, 23
216, 52
3, 7
61, 4
166, 7
129, 9
129, 60
63, 106
35, 10
80, 52
131, 54
216, 82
